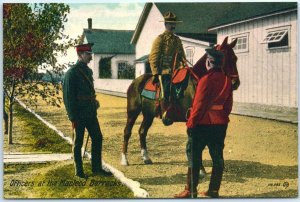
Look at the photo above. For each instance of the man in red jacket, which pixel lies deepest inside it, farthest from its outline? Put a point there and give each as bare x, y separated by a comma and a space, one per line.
207, 125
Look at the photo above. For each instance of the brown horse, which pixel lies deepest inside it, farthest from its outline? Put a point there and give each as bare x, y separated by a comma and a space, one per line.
136, 103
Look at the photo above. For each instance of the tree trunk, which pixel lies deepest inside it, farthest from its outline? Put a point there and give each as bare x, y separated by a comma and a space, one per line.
10, 122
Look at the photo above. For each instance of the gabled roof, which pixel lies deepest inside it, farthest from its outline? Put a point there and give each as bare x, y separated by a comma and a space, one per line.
198, 17
245, 11
110, 41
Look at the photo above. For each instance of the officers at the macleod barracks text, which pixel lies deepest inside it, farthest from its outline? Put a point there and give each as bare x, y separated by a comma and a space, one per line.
81, 106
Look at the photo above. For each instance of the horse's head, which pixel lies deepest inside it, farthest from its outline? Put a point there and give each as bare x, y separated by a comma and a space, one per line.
229, 62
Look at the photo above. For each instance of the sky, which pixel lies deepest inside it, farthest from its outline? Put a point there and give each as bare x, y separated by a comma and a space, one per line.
119, 16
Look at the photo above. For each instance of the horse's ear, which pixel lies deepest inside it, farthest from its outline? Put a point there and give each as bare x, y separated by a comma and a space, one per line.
224, 42
233, 43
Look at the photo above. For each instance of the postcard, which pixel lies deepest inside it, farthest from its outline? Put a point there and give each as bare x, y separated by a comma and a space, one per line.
159, 100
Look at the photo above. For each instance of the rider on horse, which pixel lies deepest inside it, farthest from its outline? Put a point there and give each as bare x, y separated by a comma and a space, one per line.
166, 55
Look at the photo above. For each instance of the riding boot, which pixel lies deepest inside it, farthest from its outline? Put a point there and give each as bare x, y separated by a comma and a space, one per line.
215, 183
187, 193
166, 119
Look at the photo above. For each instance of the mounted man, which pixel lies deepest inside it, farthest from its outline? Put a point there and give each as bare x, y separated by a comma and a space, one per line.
167, 54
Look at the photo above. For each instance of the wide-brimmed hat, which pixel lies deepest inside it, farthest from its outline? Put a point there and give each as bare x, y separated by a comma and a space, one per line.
170, 17
84, 48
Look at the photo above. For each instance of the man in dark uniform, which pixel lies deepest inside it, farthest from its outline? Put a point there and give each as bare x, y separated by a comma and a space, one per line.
166, 53
81, 105
207, 125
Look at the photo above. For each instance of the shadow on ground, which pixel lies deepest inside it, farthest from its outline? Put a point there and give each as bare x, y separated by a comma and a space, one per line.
236, 171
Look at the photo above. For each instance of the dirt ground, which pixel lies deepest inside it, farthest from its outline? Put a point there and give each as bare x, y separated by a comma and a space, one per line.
261, 156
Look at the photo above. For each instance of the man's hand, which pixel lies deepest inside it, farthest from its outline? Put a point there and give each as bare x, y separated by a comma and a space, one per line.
74, 124
155, 79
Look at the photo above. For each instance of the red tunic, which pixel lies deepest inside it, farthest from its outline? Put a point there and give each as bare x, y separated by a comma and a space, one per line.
212, 102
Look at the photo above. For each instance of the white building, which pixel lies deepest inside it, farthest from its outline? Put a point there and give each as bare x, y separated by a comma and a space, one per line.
151, 25
112, 54
267, 54
266, 49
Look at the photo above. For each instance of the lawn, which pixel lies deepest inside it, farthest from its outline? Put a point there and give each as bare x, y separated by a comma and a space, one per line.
50, 180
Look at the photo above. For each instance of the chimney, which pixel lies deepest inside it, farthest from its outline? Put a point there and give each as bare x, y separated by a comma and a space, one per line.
90, 23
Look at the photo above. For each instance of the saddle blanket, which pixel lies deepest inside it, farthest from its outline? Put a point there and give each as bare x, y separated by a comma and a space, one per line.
151, 91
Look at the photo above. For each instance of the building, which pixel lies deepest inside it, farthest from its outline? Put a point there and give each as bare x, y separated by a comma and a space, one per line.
267, 54
112, 56
266, 49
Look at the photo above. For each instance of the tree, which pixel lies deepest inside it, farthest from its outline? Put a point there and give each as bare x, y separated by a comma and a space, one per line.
33, 38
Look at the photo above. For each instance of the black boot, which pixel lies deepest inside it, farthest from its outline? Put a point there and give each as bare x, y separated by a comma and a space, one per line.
215, 183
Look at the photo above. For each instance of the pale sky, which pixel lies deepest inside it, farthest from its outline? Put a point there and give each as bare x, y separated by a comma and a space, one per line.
119, 16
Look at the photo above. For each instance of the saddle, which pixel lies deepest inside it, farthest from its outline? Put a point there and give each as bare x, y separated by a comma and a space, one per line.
152, 91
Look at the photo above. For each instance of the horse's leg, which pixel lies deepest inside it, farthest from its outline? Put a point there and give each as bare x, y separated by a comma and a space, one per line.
131, 118
147, 122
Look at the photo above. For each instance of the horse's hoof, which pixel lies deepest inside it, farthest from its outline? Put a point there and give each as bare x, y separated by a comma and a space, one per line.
148, 161
124, 161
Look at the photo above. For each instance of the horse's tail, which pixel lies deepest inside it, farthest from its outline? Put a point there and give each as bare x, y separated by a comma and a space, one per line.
134, 99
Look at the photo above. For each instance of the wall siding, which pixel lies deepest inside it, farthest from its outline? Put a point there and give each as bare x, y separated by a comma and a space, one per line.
267, 76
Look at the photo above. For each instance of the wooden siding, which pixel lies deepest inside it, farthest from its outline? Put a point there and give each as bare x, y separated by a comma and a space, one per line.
267, 76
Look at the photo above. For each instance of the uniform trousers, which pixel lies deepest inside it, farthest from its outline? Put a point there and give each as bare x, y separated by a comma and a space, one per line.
93, 128
212, 136
166, 80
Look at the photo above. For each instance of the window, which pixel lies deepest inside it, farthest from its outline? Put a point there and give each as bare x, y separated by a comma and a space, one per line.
121, 68
277, 37
105, 68
125, 70
189, 52
242, 43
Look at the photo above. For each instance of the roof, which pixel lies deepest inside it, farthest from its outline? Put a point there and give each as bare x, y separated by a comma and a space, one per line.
199, 17
144, 58
246, 11
110, 41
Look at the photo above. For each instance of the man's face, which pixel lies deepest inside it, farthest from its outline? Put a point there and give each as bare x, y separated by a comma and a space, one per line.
170, 26
86, 57
210, 62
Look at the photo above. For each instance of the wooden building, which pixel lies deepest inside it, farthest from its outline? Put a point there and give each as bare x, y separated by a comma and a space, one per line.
112, 54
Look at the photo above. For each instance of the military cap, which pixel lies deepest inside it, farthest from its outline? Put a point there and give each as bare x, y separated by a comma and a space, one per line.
215, 54
84, 47
170, 17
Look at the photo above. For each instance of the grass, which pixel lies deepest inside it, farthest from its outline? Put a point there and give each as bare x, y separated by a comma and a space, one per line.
31, 135
23, 181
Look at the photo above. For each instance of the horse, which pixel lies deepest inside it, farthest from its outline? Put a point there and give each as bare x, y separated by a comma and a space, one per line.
137, 104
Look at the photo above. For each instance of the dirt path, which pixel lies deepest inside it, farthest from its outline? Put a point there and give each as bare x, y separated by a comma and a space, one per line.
260, 155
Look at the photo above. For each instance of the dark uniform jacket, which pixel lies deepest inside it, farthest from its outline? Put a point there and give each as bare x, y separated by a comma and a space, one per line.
78, 92
212, 102
163, 52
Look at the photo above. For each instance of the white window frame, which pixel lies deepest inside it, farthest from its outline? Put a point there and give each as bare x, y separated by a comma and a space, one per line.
238, 47
119, 63
285, 30
189, 53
